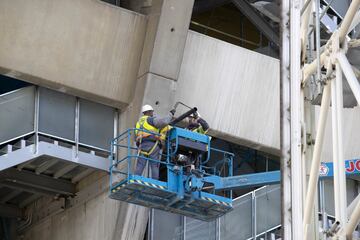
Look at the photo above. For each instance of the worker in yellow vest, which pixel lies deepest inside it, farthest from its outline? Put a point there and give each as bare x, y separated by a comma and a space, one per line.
149, 143
197, 124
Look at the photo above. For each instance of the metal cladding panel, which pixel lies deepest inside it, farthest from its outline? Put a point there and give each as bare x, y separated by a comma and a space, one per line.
200, 230
96, 124
268, 208
57, 114
237, 224
339, 6
351, 136
167, 226
351, 194
16, 113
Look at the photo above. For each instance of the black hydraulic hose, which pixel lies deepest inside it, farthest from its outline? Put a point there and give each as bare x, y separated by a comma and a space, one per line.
183, 116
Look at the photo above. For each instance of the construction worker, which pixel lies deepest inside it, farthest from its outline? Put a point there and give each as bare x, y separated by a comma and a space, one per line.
197, 124
149, 143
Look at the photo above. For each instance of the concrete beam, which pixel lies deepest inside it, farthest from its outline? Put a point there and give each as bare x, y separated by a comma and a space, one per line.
24, 180
45, 165
257, 20
64, 170
81, 175
169, 42
87, 48
29, 200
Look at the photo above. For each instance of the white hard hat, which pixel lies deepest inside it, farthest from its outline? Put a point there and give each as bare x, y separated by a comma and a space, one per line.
146, 108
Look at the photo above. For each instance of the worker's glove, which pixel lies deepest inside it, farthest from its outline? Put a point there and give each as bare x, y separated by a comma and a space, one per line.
172, 111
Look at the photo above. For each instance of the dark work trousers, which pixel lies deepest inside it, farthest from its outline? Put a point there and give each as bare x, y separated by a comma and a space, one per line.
141, 163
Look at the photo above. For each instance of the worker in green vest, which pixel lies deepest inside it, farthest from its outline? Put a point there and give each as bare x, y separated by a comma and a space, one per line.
197, 124
149, 142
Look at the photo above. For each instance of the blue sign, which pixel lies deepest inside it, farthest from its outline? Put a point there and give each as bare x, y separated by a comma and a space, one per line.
352, 167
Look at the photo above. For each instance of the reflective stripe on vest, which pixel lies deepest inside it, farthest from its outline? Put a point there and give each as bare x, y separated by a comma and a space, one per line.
143, 124
199, 130
164, 132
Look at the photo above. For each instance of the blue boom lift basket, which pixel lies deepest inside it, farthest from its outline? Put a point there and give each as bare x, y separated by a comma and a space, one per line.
184, 192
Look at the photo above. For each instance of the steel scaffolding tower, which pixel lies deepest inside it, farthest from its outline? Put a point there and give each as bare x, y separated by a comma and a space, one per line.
299, 193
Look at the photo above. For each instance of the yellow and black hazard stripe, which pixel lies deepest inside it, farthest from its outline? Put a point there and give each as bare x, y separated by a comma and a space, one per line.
216, 201
118, 187
147, 184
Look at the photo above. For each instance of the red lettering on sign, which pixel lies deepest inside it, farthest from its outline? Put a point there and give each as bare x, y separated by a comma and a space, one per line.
357, 165
351, 167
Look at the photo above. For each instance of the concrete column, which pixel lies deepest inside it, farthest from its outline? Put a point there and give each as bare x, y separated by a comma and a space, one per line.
168, 24
167, 28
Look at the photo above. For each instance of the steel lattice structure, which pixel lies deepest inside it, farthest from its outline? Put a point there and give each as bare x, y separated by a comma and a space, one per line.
298, 194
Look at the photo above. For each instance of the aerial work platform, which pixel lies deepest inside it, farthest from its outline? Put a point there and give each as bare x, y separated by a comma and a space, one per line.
155, 194
193, 194
190, 193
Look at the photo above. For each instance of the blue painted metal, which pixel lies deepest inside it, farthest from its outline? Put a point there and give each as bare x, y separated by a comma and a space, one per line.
326, 170
352, 167
180, 132
183, 192
250, 180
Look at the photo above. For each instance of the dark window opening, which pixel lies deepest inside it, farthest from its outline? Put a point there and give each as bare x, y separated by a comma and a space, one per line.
223, 20
132, 5
8, 84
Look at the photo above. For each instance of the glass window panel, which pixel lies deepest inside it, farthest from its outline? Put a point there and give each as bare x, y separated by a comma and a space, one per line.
57, 114
17, 113
96, 124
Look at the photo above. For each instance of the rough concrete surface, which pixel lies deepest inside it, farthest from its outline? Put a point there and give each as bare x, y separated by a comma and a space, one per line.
171, 37
351, 136
98, 218
236, 90
84, 47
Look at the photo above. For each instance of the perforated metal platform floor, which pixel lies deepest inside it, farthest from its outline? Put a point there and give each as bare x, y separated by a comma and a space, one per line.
152, 193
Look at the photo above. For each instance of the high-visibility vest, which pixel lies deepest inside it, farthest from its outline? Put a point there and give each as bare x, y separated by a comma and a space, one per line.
199, 130
143, 124
164, 132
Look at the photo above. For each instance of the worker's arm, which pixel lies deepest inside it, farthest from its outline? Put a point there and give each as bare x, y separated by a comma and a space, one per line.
160, 122
203, 124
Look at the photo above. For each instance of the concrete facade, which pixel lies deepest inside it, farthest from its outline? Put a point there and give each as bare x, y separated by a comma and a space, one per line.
97, 217
235, 89
351, 137
107, 54
85, 47
109, 219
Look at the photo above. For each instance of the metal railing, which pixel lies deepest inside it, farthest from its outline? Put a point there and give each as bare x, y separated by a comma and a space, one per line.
243, 223
123, 149
21, 110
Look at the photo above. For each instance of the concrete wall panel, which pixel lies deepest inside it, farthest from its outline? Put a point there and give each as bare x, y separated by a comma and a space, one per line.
351, 134
97, 218
86, 47
235, 89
